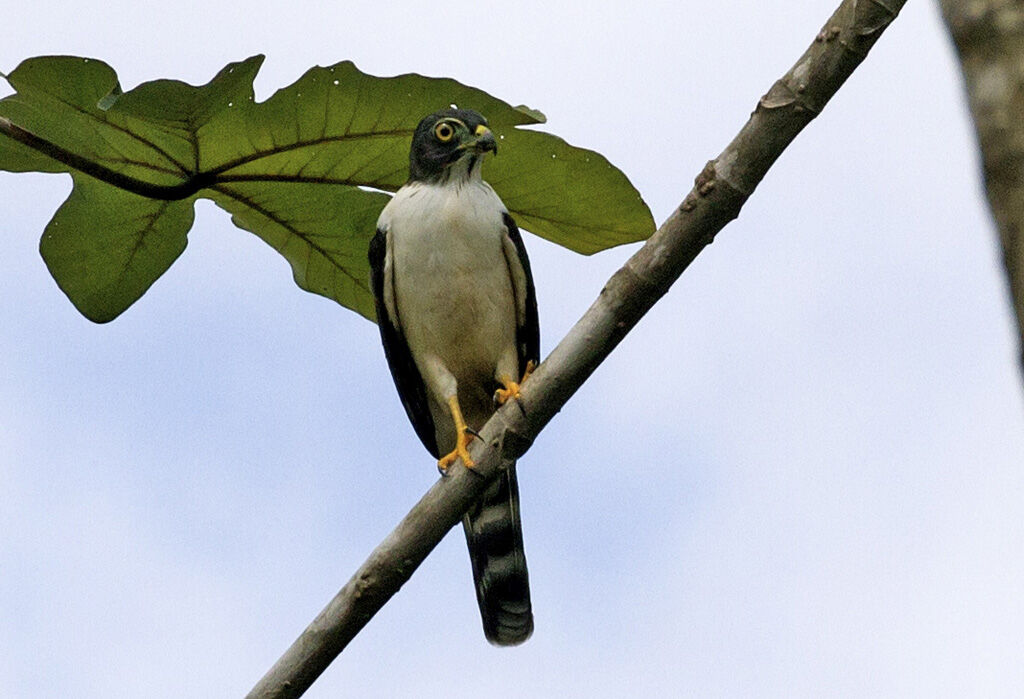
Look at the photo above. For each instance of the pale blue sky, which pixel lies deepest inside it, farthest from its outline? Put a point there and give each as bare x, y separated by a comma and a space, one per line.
800, 476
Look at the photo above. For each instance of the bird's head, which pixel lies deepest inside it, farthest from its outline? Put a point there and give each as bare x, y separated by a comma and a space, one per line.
449, 145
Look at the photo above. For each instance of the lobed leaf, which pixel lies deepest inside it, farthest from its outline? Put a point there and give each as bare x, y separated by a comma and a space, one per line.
297, 170
318, 229
106, 247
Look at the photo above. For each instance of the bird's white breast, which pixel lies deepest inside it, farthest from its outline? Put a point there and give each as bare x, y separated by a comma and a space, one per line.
453, 292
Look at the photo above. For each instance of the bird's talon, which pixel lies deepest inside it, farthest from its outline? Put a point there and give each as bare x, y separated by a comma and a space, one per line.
530, 366
446, 461
511, 388
459, 452
463, 435
503, 395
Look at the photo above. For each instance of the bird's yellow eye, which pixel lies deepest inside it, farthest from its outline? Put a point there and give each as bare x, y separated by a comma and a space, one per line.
444, 132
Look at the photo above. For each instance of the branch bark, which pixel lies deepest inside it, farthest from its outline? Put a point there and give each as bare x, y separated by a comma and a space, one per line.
989, 36
719, 192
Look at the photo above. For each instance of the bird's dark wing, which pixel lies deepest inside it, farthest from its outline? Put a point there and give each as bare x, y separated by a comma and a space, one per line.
528, 330
403, 368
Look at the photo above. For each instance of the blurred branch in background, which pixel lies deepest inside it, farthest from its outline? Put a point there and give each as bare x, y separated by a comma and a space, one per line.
989, 36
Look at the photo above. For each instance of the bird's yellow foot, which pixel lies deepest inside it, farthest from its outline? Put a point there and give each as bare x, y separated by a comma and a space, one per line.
463, 435
511, 388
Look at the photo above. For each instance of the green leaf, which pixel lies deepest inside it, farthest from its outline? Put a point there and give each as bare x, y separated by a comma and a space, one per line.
297, 170
106, 246
318, 229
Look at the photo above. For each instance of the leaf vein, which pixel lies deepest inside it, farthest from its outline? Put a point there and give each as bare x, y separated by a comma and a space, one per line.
308, 240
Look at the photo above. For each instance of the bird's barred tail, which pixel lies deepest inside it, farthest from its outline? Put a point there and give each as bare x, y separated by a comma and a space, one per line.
495, 538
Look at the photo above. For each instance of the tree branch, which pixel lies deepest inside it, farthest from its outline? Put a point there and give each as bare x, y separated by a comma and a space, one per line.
718, 194
989, 36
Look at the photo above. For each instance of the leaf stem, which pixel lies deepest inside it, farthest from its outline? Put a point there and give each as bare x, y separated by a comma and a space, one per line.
175, 192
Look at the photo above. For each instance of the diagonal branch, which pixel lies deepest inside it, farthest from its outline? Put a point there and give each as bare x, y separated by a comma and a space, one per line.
718, 194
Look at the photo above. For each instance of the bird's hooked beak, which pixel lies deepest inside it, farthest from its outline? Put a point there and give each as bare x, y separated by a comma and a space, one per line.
482, 141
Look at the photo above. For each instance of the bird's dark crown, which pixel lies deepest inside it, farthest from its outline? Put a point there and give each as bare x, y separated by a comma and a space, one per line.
443, 138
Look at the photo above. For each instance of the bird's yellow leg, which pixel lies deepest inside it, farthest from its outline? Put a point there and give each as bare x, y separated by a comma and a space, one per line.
511, 388
462, 436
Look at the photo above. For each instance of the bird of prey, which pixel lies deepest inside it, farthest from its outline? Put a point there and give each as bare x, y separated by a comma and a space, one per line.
457, 313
